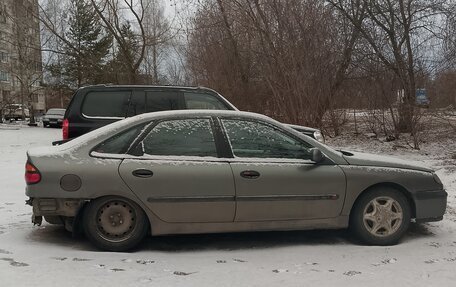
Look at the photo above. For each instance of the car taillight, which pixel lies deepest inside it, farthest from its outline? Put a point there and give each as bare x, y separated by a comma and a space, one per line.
32, 175
65, 128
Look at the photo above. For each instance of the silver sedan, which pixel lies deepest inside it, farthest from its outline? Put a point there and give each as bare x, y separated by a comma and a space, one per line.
222, 171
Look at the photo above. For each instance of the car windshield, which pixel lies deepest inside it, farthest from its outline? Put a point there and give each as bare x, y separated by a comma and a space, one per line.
58, 112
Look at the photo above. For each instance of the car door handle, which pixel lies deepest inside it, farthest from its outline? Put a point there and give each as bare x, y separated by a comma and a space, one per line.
142, 173
250, 174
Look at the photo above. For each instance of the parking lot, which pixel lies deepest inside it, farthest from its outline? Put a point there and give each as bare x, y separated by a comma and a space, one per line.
48, 254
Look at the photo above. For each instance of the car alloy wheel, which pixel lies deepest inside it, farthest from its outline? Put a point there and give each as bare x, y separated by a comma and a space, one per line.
382, 216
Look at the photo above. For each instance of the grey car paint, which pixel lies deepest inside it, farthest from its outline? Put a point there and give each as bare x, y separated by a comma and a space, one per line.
212, 204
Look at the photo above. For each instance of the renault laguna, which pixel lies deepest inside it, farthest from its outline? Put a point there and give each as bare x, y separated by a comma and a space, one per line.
184, 172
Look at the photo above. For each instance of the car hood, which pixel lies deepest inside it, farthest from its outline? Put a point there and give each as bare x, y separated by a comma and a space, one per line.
366, 159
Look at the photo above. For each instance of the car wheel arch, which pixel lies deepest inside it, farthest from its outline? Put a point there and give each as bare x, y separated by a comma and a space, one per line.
391, 185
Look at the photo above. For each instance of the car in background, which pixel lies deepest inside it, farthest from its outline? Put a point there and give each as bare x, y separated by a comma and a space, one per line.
53, 118
15, 112
95, 106
183, 172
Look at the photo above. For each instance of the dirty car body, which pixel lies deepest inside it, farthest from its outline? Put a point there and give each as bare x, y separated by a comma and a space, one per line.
222, 171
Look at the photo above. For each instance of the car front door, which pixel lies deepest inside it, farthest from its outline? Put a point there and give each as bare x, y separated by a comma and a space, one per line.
179, 175
275, 178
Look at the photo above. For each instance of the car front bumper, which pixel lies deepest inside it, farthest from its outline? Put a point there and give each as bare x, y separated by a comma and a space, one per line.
430, 205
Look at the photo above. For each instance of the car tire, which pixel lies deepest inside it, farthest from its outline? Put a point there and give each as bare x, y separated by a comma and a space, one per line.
114, 223
380, 216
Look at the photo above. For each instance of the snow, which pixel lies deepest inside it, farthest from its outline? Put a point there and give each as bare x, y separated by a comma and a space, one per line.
49, 256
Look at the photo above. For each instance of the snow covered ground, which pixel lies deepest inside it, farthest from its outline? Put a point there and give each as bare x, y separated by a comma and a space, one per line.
49, 256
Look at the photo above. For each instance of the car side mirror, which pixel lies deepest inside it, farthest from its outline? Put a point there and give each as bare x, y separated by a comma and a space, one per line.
316, 155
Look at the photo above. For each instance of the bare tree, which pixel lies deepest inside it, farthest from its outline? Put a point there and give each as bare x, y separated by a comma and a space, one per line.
111, 13
396, 31
287, 58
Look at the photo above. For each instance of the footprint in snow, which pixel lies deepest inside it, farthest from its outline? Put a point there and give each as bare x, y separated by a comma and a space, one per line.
352, 273
116, 269
431, 261
389, 261
434, 244
126, 260
280, 270
9, 203
2, 251
81, 259
14, 263
385, 262
60, 258
221, 261
239, 260
180, 273
145, 262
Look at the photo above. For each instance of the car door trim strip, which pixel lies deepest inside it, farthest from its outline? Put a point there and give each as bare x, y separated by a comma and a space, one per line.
190, 198
288, 197
242, 198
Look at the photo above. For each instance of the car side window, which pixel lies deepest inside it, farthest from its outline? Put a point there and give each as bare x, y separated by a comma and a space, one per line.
250, 139
203, 101
161, 101
120, 143
106, 104
187, 137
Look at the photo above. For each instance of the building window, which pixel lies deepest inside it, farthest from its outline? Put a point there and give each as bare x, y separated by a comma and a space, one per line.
38, 66
3, 14
4, 76
4, 57
6, 95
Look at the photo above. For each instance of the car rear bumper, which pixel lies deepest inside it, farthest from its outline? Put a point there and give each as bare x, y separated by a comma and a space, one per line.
55, 206
430, 205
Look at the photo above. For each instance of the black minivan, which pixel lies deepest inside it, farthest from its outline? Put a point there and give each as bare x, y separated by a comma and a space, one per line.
96, 106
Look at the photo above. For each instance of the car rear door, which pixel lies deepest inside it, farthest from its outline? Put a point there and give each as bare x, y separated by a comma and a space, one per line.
179, 175
275, 178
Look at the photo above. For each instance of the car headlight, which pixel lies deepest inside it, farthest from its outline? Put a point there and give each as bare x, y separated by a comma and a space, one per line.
319, 136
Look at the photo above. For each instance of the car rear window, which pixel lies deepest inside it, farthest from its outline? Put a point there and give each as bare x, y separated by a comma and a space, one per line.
119, 143
106, 104
161, 101
58, 112
189, 137
203, 101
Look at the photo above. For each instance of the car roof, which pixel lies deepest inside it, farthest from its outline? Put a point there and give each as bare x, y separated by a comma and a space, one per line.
171, 87
203, 113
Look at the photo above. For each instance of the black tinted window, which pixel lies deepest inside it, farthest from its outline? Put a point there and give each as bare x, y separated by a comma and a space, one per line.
256, 140
161, 101
120, 143
106, 104
203, 101
189, 137
137, 104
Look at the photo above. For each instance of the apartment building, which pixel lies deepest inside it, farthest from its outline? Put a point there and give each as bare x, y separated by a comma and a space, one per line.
20, 55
